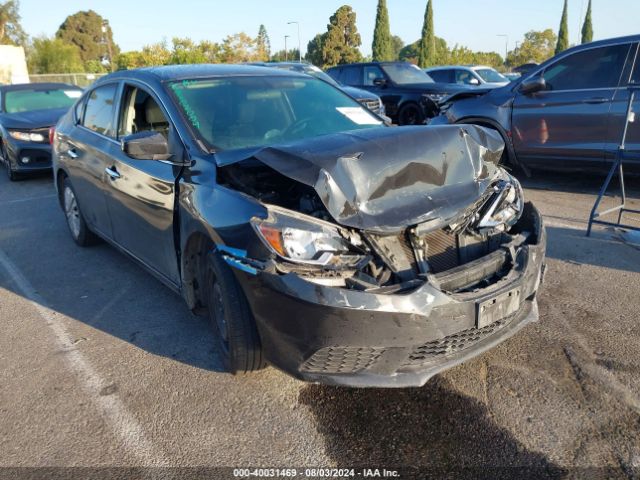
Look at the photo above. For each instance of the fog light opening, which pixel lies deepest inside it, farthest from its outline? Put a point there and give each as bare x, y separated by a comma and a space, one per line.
25, 159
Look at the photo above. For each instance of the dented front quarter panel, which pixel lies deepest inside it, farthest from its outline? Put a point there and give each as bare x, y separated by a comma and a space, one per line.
384, 179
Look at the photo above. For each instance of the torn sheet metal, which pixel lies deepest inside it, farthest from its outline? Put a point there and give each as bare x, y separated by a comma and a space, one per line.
384, 179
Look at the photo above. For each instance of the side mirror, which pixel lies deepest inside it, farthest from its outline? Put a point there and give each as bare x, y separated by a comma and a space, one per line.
146, 146
380, 82
532, 85
474, 81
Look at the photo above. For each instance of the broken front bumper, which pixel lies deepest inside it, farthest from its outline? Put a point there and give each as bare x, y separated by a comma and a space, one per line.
347, 337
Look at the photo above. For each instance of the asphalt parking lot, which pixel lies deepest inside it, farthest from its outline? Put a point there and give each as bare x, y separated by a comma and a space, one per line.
102, 365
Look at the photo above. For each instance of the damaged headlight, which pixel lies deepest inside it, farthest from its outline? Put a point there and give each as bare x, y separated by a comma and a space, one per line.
503, 209
302, 239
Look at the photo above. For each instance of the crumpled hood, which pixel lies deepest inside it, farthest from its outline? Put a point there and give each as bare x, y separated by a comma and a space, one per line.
385, 179
32, 119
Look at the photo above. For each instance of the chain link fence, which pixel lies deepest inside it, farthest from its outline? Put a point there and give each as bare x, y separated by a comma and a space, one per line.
79, 79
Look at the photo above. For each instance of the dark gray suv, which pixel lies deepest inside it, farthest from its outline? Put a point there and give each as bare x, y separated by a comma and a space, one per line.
568, 113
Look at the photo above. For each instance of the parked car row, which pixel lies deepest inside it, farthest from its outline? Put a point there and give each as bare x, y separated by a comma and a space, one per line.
567, 113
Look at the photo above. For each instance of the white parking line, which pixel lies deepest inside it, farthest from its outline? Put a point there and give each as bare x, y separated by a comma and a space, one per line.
114, 411
28, 199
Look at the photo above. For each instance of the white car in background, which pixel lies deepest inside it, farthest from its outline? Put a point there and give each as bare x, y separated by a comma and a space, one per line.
476, 75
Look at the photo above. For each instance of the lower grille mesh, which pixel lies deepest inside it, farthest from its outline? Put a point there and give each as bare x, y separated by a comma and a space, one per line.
451, 344
342, 359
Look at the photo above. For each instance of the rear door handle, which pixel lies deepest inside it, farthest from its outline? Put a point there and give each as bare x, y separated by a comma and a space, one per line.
72, 153
595, 100
112, 172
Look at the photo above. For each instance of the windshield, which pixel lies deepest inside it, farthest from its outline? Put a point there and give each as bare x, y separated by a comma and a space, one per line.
27, 100
316, 72
491, 76
406, 73
239, 112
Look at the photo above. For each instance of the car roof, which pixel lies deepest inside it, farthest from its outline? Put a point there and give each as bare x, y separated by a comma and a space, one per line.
371, 63
447, 67
37, 86
184, 72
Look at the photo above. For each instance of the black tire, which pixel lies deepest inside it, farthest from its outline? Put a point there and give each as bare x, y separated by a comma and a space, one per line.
410, 114
234, 328
78, 228
11, 173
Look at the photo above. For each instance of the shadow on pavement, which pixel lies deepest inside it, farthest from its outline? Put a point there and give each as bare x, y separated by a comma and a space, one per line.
432, 428
578, 182
602, 249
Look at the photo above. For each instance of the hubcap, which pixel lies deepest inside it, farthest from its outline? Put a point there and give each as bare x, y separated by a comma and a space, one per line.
72, 212
219, 313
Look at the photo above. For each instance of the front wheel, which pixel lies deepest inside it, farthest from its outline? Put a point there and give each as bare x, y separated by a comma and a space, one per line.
233, 325
410, 114
11, 174
75, 221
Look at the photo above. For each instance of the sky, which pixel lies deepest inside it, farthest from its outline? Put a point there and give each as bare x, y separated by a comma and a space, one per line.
472, 23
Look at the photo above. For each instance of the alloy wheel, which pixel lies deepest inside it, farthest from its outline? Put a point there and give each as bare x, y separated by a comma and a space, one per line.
72, 212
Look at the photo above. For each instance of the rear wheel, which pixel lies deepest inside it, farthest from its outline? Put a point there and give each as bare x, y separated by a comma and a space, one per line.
234, 328
410, 114
75, 221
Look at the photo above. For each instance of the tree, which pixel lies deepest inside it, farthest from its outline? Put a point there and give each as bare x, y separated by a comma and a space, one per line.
342, 39
587, 27
397, 45
263, 45
536, 47
238, 48
563, 33
291, 55
10, 29
314, 50
427, 52
411, 53
382, 46
186, 51
52, 55
84, 29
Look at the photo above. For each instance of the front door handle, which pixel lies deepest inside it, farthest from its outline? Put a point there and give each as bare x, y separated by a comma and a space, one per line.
112, 172
595, 100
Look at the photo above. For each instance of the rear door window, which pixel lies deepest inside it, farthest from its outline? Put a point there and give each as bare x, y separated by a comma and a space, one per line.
635, 76
441, 76
589, 69
352, 75
99, 110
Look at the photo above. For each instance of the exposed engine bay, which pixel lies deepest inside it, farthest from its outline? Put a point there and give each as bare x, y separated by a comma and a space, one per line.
383, 220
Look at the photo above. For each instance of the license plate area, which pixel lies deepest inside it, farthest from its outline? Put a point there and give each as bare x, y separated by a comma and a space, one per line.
497, 308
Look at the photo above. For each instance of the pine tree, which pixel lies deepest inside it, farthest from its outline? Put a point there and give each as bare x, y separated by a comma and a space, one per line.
587, 27
427, 52
563, 33
382, 43
340, 45
263, 45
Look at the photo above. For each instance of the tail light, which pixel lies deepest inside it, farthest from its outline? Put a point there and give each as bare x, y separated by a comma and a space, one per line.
52, 134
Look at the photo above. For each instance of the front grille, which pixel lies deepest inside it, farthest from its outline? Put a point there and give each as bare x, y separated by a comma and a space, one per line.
452, 344
342, 359
373, 105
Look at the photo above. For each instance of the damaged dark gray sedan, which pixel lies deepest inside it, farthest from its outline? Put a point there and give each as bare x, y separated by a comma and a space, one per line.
313, 236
